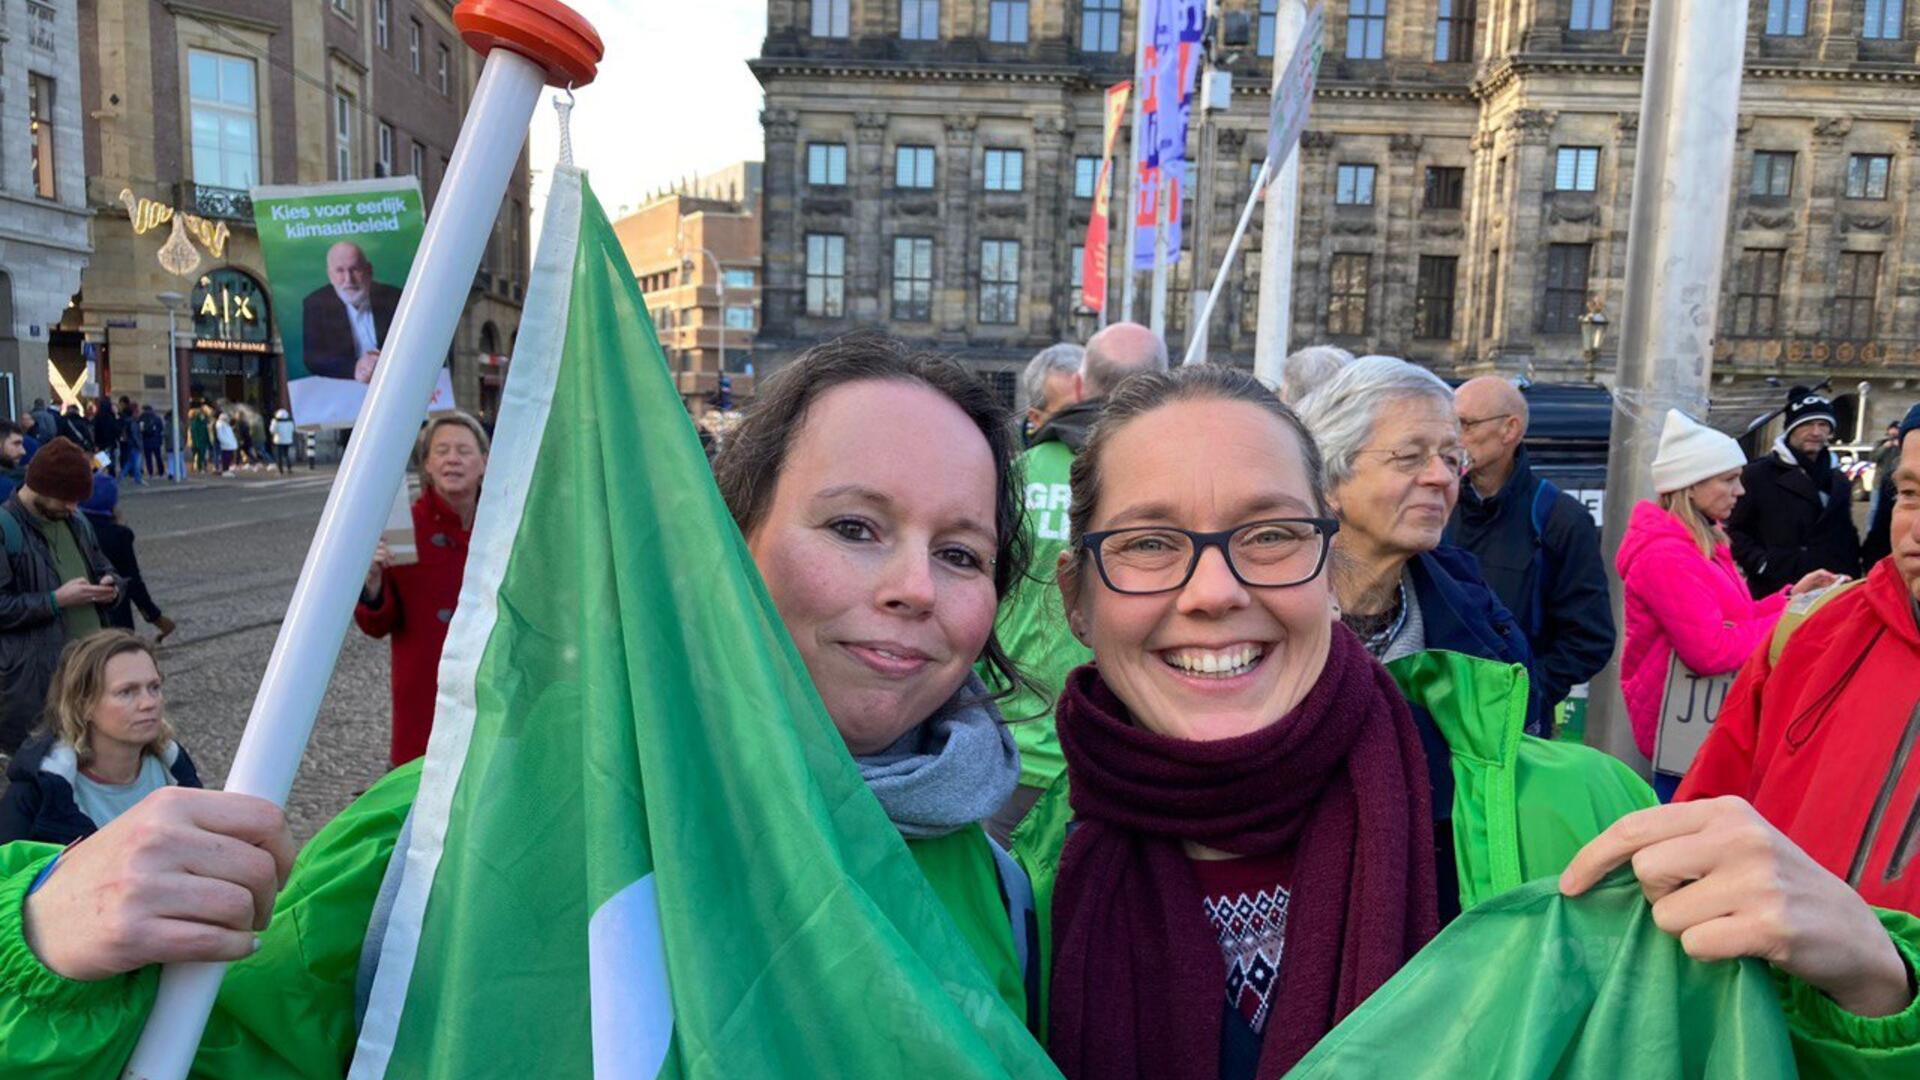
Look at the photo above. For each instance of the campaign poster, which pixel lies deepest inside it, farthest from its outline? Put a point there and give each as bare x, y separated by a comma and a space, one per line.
337, 257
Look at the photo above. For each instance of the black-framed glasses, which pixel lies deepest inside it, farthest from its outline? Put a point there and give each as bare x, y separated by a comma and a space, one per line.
1270, 554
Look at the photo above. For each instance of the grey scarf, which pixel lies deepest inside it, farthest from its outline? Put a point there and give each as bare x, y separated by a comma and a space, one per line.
953, 769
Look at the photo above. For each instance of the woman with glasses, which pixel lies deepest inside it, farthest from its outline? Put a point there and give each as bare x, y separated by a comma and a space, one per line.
1256, 843
1394, 463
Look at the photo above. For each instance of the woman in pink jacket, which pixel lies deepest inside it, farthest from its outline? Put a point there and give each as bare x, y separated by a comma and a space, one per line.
1682, 592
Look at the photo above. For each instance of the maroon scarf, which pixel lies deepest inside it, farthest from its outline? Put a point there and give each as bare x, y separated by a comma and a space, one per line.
1139, 982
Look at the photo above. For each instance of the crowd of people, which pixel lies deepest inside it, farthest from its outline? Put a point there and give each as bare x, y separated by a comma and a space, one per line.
1203, 707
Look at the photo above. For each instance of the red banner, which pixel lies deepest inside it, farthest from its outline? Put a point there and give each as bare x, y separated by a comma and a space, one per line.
1093, 260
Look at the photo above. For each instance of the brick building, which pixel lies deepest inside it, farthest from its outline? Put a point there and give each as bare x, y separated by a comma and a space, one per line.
696, 251
188, 107
1465, 181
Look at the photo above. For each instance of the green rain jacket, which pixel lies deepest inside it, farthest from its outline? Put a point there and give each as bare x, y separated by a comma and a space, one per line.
288, 1010
1522, 808
1032, 624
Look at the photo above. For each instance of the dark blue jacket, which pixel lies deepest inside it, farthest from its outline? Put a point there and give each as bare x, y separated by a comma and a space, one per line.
1551, 578
39, 803
1463, 615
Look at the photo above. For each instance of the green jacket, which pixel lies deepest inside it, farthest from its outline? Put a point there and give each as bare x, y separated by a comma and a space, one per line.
1032, 624
1522, 808
288, 1010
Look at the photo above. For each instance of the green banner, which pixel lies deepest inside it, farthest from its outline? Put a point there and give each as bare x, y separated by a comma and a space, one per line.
337, 256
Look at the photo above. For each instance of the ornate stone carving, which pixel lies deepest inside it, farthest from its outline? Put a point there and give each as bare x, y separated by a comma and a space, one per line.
1865, 223
1048, 124
1768, 220
1531, 125
1352, 226
917, 207
827, 205
1442, 229
960, 128
1744, 123
1627, 123
1232, 139
780, 123
1484, 140
1402, 144
870, 127
1013, 209
1573, 213
1316, 142
1833, 128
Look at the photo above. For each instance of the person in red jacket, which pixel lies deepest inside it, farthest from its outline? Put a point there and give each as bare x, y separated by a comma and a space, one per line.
1822, 735
413, 604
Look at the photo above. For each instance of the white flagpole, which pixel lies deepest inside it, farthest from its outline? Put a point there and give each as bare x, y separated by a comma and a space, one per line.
303, 656
1197, 339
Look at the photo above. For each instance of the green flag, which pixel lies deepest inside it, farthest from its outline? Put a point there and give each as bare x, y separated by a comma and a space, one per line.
1533, 984
640, 848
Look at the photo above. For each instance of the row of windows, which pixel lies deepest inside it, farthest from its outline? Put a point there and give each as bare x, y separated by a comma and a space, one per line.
1576, 168
416, 41
1350, 280
1454, 22
913, 167
1756, 300
998, 286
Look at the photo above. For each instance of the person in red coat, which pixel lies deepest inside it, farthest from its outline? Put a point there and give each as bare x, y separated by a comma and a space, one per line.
413, 604
1823, 736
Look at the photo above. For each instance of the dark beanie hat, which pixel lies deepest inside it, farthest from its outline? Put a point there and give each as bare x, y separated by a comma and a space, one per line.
1804, 405
1911, 423
60, 470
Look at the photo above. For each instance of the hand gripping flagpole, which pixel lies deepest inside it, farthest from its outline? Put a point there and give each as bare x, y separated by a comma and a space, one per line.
528, 44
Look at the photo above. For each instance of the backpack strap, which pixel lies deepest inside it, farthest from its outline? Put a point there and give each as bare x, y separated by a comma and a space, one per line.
377, 923
1545, 495
1799, 609
1017, 890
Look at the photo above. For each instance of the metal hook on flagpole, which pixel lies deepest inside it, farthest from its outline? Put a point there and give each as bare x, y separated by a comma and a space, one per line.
563, 104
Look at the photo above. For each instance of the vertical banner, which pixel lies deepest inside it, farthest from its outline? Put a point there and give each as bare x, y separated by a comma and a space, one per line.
337, 255
1293, 96
1093, 259
1172, 64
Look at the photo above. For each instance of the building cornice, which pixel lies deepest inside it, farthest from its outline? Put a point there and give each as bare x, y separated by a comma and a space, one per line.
1502, 73
225, 18
764, 67
1359, 91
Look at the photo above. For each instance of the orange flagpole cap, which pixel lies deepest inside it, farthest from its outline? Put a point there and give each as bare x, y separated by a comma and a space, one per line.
546, 32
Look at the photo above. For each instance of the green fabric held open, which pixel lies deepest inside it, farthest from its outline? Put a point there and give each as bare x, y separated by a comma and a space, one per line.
1590, 989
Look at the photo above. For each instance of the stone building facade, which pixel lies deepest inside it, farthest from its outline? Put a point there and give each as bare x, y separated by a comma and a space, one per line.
695, 249
1465, 181
43, 215
189, 106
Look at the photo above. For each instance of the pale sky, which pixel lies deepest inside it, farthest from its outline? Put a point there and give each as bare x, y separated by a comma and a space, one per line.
673, 98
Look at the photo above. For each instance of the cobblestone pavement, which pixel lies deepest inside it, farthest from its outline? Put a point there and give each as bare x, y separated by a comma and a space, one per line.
221, 557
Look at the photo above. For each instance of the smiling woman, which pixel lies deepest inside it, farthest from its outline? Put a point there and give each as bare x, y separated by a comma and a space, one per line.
1260, 825
875, 490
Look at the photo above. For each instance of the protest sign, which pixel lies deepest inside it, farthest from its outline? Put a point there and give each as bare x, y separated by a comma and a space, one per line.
337, 255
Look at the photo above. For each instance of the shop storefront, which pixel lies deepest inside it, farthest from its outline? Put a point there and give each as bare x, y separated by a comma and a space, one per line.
231, 356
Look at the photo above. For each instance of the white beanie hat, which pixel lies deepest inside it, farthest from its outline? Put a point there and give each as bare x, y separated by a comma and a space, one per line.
1691, 452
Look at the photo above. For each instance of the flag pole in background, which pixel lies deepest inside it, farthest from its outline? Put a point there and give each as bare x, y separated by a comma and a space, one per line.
528, 44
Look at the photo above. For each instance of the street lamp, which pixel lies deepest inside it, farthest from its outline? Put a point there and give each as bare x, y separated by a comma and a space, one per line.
1593, 333
176, 465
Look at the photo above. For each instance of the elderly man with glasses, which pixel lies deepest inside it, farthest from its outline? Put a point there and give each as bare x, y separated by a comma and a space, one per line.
1394, 461
1538, 547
